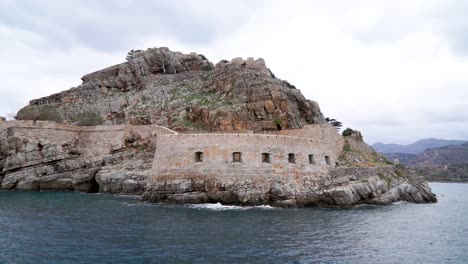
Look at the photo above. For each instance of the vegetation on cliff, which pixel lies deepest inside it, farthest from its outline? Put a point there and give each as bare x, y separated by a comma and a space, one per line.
184, 92
187, 93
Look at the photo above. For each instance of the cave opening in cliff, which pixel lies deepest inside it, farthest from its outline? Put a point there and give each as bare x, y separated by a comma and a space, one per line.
236, 157
93, 186
198, 156
327, 160
292, 158
266, 158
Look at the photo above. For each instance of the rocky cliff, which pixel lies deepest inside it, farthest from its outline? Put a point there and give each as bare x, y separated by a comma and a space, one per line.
45, 156
182, 92
107, 127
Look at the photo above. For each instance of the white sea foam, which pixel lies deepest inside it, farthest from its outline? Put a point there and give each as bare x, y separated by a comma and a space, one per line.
128, 196
128, 204
266, 207
220, 207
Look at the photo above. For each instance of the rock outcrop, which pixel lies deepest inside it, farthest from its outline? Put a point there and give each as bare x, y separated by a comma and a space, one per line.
342, 187
53, 157
128, 108
183, 92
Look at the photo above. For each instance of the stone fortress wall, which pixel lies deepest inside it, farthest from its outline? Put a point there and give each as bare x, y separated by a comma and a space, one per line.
42, 156
94, 140
314, 148
179, 155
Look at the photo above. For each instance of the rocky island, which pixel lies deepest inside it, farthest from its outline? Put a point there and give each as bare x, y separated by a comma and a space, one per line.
176, 128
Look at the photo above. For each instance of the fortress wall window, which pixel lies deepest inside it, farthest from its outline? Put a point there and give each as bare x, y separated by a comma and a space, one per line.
198, 156
266, 158
311, 159
327, 160
236, 157
292, 158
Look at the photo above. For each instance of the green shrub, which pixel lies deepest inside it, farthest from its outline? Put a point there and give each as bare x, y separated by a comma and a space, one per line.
88, 119
399, 173
278, 121
347, 132
386, 179
347, 147
387, 161
400, 166
43, 113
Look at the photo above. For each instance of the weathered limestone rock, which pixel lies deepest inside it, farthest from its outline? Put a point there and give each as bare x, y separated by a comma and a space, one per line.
112, 180
46, 156
372, 186
188, 93
157, 85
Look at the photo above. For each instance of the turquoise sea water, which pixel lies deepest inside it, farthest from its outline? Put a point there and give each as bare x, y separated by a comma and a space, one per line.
96, 228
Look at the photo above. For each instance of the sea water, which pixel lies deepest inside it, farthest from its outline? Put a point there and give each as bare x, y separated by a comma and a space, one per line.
42, 227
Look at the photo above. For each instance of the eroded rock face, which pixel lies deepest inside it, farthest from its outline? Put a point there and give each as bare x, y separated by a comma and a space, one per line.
184, 92
29, 162
342, 187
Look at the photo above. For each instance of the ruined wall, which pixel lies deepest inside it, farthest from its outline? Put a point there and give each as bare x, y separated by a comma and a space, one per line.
175, 154
50, 156
93, 140
323, 132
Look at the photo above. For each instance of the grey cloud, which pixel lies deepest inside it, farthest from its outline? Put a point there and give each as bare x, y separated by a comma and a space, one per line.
117, 24
454, 116
397, 19
9, 102
48, 45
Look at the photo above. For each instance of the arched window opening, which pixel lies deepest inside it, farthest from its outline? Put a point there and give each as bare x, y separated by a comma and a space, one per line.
292, 158
311, 159
236, 157
327, 160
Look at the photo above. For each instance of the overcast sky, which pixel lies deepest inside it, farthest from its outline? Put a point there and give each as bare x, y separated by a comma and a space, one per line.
396, 70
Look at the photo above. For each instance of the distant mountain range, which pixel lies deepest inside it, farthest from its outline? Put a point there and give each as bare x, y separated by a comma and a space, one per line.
439, 156
448, 163
416, 147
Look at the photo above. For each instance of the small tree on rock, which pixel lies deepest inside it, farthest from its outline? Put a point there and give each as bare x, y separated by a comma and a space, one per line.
335, 123
347, 132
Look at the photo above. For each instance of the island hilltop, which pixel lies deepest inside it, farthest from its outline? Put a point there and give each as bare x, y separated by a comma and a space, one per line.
176, 128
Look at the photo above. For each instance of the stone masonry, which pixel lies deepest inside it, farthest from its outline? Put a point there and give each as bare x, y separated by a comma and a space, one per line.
49, 156
176, 128
232, 169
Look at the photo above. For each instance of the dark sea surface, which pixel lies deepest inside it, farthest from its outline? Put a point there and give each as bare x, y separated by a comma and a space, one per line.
40, 227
